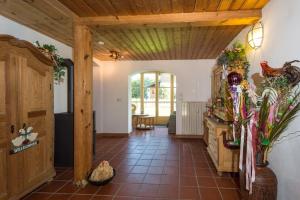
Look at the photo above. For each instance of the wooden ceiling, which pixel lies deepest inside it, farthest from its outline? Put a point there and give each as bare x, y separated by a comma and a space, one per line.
160, 38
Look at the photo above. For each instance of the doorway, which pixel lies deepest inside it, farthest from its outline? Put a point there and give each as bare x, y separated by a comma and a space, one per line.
153, 94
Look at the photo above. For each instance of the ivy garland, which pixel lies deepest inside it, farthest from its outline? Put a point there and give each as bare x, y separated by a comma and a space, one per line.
59, 65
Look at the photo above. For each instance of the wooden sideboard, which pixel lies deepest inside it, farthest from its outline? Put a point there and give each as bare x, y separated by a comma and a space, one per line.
225, 160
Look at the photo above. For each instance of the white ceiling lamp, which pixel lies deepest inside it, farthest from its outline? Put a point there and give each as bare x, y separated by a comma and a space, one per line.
100, 42
256, 35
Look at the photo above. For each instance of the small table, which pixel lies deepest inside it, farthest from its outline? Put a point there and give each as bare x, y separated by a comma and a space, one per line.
135, 119
145, 122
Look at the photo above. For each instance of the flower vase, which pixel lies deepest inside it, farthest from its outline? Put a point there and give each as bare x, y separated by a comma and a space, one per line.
265, 184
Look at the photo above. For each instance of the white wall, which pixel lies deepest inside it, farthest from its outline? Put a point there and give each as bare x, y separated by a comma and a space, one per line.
281, 44
193, 84
22, 32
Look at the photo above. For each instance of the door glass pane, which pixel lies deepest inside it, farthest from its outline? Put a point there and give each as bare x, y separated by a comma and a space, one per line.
136, 107
149, 87
149, 108
136, 87
164, 109
164, 80
164, 94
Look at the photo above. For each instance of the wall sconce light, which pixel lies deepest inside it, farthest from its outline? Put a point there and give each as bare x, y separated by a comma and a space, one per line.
256, 35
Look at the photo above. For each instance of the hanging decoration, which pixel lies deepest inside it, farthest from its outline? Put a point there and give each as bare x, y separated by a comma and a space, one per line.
25, 140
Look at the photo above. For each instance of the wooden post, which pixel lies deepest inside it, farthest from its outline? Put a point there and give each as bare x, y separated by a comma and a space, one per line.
83, 79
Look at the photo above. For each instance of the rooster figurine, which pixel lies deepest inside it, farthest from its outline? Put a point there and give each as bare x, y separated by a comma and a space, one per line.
268, 71
292, 73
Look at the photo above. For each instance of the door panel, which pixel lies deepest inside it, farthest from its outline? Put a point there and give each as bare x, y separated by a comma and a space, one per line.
35, 90
3, 131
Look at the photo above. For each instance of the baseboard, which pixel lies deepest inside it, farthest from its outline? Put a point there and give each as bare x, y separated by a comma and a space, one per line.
112, 134
188, 136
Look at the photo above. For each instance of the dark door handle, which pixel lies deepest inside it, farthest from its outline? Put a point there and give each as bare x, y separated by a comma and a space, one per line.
12, 129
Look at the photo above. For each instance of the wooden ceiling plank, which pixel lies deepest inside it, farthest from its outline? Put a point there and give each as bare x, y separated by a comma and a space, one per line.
219, 33
146, 42
169, 41
225, 5
165, 6
155, 42
34, 18
134, 43
190, 48
260, 4
189, 6
213, 5
249, 4
80, 7
177, 6
172, 18
201, 5
230, 36
207, 41
139, 41
122, 7
102, 9
201, 33
237, 4
187, 46
163, 42
131, 42
121, 43
177, 42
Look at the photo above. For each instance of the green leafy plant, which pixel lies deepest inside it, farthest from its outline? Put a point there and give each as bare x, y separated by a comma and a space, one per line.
59, 66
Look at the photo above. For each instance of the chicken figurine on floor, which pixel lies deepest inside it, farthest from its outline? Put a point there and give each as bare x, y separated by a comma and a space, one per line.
103, 172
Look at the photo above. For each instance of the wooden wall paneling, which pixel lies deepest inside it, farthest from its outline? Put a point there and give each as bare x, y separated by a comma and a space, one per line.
201, 5
83, 76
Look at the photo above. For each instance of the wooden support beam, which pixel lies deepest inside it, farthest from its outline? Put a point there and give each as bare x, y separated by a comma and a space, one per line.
238, 17
83, 80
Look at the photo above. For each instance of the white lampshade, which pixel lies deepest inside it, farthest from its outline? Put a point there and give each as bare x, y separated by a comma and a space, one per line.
256, 35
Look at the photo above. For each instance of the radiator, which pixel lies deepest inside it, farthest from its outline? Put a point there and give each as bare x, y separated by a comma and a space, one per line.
192, 117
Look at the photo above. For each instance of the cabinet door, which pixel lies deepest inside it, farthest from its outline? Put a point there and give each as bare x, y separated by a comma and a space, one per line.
3, 131
36, 111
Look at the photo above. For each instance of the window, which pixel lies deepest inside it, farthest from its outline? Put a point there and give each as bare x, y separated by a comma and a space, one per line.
159, 94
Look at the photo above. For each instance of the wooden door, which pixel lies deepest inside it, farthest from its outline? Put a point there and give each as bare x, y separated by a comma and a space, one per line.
36, 110
4, 124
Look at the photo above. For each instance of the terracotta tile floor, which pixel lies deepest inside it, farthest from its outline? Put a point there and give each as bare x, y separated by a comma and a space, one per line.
150, 165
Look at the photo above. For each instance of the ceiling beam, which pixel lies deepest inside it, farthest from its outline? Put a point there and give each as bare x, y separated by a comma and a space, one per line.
239, 17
